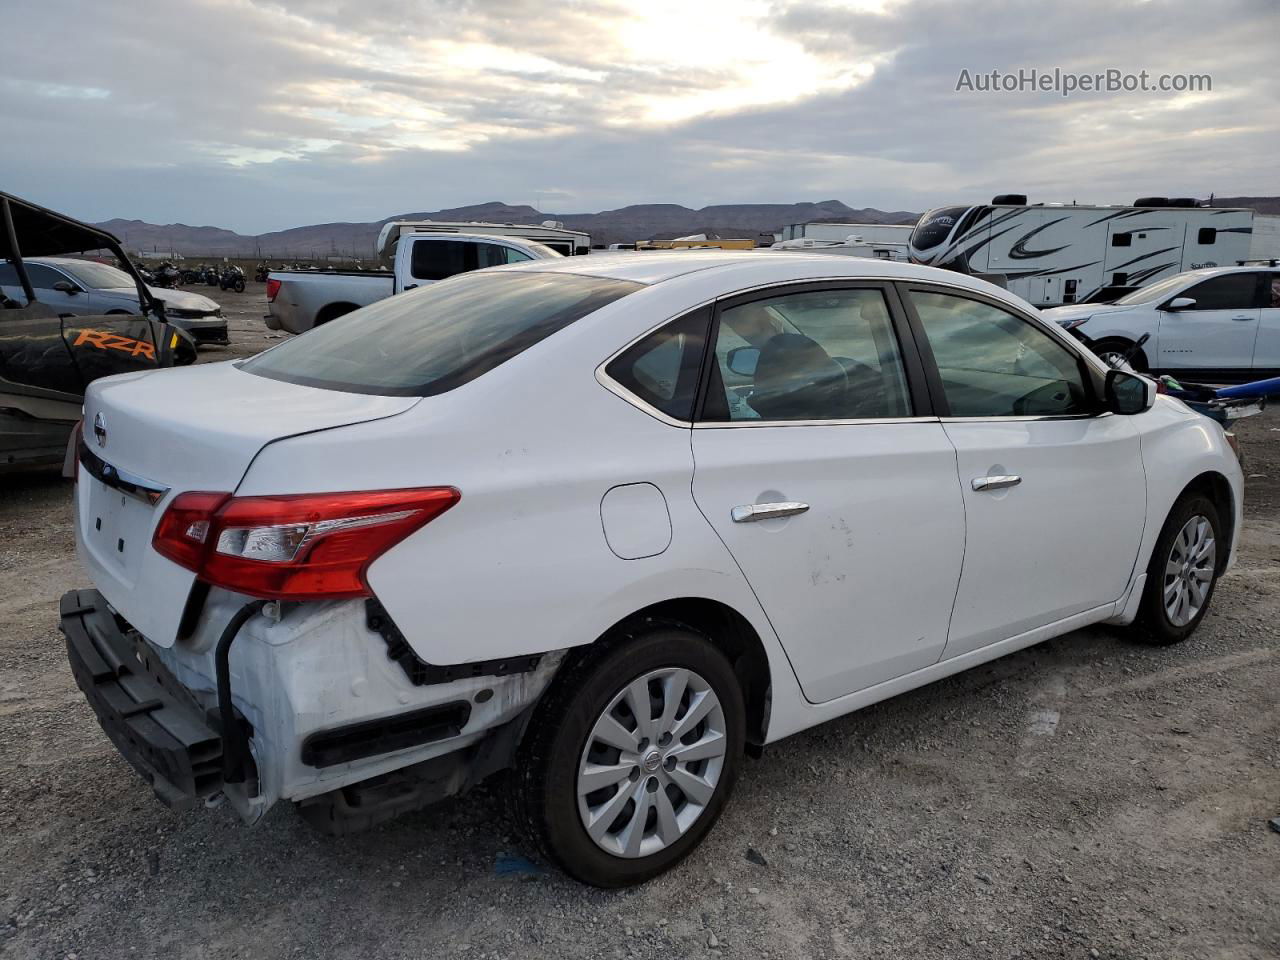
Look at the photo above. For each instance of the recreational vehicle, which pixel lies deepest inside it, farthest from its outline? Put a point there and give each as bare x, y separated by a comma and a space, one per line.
867, 232
1053, 254
852, 247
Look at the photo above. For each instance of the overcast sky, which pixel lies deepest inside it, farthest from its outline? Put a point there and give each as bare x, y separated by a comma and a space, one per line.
259, 116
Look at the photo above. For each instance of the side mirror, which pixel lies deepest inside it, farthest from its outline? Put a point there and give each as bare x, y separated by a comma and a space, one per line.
743, 360
66, 286
1128, 393
1180, 303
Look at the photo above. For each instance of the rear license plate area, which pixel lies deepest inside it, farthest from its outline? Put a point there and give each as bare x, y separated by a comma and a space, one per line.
115, 528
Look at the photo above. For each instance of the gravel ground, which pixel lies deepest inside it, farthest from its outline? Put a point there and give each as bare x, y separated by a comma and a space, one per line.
1086, 798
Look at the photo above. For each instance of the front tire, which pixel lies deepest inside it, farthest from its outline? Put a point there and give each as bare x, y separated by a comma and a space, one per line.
1183, 571
631, 755
1109, 347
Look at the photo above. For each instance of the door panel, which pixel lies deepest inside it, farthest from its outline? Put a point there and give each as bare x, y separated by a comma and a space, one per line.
1220, 339
1219, 331
1141, 248
1063, 540
858, 554
1266, 351
858, 587
1054, 493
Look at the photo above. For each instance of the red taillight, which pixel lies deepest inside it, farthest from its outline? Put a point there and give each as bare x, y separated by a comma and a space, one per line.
273, 287
298, 547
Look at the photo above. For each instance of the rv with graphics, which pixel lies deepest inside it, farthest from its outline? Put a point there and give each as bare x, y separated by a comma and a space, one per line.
1053, 254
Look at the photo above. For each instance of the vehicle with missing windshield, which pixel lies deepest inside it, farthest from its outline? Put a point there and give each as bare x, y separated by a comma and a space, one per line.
49, 355
1055, 254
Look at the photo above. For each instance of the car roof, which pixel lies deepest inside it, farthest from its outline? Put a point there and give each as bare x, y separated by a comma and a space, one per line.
1205, 272
760, 266
486, 237
59, 261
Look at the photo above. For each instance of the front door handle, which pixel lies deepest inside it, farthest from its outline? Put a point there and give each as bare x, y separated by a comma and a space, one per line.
1242, 318
995, 483
750, 512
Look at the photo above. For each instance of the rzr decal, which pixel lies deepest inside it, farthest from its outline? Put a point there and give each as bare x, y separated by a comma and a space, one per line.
105, 340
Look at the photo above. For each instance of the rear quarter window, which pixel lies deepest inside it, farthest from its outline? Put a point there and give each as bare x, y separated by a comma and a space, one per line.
434, 339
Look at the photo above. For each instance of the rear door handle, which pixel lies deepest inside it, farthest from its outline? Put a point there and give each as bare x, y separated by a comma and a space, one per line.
750, 512
995, 483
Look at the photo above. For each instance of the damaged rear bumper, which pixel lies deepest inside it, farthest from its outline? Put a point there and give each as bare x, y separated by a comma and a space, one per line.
324, 710
160, 731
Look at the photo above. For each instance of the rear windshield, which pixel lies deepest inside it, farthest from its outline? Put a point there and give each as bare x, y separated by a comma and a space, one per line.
430, 340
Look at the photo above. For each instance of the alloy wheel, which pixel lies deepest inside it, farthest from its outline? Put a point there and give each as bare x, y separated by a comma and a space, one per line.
1188, 572
651, 762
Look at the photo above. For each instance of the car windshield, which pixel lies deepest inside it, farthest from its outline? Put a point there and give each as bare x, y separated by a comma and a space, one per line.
433, 339
98, 276
1157, 291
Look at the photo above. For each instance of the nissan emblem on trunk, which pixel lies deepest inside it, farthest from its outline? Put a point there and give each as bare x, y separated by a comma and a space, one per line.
100, 429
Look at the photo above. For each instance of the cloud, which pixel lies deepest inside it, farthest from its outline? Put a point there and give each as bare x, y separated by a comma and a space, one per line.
258, 115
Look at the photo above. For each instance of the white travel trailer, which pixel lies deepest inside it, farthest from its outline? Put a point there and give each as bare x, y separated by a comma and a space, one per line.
852, 247
867, 232
1051, 254
550, 233
1265, 242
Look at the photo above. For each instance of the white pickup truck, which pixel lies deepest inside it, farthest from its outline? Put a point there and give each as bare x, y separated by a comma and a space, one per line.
298, 300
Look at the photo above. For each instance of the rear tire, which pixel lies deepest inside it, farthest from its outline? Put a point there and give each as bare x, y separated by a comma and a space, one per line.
1183, 571
653, 806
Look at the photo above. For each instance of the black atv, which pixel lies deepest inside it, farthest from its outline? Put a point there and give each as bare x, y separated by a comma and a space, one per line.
47, 360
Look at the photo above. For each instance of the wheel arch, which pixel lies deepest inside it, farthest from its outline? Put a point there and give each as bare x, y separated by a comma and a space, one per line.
733, 634
1217, 488
331, 311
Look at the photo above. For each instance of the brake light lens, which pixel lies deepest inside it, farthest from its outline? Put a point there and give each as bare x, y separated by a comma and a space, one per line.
273, 287
297, 547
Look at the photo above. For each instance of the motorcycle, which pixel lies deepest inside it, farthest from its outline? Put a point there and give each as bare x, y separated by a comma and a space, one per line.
232, 279
166, 275
260, 275
211, 276
192, 274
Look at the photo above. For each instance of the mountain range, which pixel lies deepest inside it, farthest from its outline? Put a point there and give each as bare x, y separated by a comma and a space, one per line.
658, 221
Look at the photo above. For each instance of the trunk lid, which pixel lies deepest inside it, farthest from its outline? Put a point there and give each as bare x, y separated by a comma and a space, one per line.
178, 430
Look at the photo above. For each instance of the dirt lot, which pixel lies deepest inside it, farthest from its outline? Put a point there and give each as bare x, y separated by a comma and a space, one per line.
1085, 798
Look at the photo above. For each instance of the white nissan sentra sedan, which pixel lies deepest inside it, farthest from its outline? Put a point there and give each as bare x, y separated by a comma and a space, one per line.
611, 522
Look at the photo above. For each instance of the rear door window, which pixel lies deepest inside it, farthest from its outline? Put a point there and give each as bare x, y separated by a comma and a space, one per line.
808, 355
433, 339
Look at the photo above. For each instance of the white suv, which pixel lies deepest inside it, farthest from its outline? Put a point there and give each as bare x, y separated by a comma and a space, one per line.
1221, 323
612, 521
